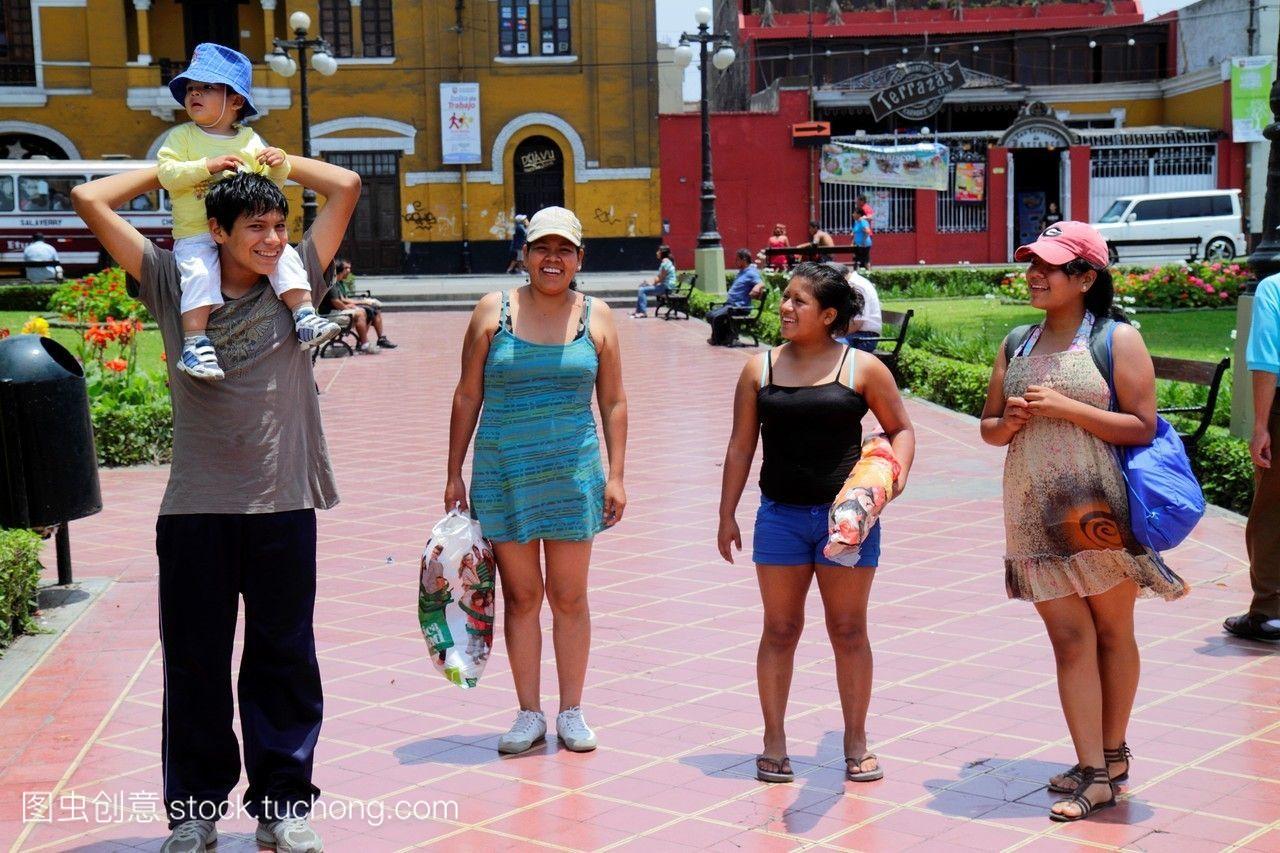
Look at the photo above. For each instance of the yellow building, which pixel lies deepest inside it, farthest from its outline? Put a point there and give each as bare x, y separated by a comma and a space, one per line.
567, 109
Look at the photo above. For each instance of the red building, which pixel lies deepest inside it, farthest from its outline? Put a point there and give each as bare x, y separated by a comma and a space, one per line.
1070, 103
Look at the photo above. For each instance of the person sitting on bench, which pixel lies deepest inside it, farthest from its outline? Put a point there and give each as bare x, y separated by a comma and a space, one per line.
746, 286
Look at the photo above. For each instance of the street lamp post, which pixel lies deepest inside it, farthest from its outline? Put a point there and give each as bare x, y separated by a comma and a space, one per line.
710, 253
1265, 261
283, 64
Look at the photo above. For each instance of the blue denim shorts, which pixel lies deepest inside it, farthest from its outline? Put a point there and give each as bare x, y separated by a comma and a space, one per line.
790, 535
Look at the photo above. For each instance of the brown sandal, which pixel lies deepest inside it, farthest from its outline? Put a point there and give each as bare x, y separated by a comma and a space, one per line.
1089, 778
861, 775
777, 775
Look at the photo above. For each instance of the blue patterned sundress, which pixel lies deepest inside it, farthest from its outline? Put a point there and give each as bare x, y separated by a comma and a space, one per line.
536, 472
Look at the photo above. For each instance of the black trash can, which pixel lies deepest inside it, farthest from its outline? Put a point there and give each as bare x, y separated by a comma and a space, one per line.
48, 463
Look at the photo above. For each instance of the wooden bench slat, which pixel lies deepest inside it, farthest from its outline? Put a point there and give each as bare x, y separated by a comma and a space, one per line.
1185, 370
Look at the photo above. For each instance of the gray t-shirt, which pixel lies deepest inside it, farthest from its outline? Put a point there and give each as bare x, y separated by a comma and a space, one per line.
253, 442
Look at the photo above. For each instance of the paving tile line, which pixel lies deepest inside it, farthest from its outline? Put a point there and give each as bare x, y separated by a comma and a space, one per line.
753, 638
832, 705
84, 750
701, 814
57, 642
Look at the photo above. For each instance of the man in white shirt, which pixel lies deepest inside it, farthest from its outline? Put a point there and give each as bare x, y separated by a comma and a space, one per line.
866, 327
41, 260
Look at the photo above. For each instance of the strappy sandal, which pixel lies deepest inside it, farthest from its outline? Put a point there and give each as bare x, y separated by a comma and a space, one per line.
777, 775
1089, 778
861, 775
1072, 778
1115, 756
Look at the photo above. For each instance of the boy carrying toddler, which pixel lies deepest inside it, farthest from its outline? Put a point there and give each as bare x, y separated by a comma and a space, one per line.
217, 92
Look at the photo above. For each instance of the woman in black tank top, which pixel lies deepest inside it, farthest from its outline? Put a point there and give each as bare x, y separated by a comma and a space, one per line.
806, 399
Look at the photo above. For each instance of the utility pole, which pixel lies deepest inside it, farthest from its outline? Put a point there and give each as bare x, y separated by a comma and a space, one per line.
466, 241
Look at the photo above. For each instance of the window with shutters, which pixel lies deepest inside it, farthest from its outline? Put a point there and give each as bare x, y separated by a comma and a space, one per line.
335, 25
17, 50
376, 30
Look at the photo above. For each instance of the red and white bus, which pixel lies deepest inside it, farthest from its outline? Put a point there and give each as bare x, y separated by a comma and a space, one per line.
35, 195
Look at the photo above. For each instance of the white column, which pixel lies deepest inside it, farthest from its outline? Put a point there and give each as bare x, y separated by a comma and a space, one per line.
268, 25
357, 32
140, 10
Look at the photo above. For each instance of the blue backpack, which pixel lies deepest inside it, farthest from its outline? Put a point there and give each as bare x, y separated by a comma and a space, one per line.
1165, 501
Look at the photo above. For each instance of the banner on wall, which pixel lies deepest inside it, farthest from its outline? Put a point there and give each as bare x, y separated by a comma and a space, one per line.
460, 123
925, 166
1250, 89
971, 181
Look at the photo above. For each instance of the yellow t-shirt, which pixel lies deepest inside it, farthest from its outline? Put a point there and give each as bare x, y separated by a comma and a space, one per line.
184, 174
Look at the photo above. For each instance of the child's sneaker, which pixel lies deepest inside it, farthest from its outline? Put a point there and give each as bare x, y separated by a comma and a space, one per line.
313, 330
199, 358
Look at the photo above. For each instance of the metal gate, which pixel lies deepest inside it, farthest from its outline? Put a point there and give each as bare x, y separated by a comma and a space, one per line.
895, 208
1117, 171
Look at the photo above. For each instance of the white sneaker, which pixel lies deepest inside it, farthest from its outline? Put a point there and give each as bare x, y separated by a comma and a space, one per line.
368, 349
291, 835
191, 836
529, 728
573, 730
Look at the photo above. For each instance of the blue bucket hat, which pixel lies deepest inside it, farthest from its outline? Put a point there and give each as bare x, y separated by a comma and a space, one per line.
216, 63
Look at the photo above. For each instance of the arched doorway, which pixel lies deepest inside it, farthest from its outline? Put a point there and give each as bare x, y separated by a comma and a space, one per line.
539, 175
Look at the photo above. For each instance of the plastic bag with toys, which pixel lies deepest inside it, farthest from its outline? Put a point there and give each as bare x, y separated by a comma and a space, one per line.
871, 484
456, 589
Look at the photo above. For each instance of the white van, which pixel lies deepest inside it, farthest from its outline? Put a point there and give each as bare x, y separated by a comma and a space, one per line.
1165, 226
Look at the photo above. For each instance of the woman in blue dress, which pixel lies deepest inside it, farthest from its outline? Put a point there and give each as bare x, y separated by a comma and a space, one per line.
530, 361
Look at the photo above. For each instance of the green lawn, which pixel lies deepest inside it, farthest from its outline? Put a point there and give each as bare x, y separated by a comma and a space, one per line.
1202, 335
149, 345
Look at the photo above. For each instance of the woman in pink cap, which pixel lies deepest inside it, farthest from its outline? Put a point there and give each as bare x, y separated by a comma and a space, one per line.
1069, 546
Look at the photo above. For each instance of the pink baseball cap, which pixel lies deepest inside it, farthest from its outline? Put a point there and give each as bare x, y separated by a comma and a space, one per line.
1066, 241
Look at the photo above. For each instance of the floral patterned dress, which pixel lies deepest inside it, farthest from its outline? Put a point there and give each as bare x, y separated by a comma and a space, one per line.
1066, 508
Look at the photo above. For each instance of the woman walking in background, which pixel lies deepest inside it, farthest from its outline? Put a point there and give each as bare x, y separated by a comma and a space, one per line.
531, 359
806, 400
1069, 545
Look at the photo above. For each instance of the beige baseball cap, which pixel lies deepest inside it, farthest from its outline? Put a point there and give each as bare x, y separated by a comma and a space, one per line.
555, 220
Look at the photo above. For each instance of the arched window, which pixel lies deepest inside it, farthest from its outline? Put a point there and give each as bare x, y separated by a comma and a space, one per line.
26, 146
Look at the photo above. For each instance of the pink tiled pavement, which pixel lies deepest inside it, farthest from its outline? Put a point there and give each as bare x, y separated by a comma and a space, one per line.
964, 713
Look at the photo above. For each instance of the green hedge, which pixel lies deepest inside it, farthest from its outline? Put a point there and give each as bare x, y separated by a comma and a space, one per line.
1225, 470
922, 283
133, 434
19, 579
957, 385
26, 297
1221, 463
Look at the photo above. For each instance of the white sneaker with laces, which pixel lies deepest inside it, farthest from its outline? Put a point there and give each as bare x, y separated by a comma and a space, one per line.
529, 728
291, 835
573, 730
191, 836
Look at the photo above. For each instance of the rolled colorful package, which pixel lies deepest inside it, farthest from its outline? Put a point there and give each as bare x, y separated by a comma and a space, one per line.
871, 484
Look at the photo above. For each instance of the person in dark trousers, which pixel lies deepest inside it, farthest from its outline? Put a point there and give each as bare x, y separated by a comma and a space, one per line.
746, 286
518, 235
1262, 533
250, 468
